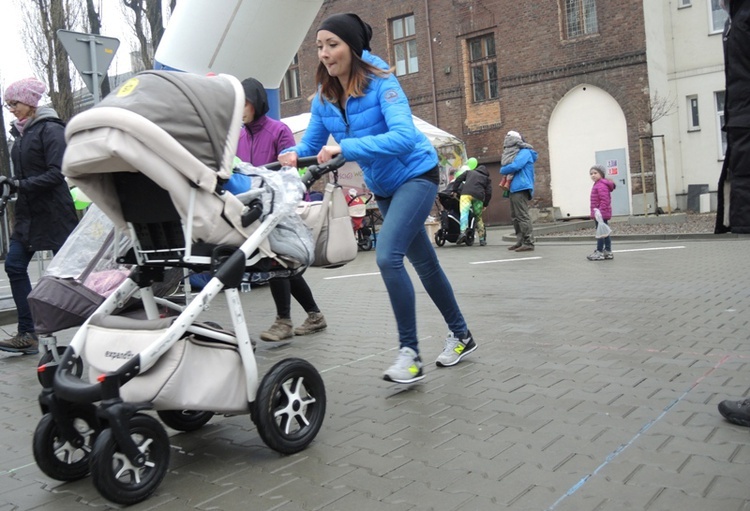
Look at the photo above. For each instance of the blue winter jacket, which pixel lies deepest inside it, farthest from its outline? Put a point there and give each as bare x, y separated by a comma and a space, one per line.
522, 168
378, 133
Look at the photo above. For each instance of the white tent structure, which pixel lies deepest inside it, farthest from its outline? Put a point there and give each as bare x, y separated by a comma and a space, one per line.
450, 149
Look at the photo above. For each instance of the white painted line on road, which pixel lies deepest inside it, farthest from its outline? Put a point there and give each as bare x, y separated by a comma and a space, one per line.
353, 275
507, 260
646, 249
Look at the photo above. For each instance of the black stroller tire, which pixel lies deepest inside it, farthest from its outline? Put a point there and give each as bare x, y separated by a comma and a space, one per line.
113, 475
54, 455
77, 369
469, 239
185, 420
290, 406
439, 238
366, 244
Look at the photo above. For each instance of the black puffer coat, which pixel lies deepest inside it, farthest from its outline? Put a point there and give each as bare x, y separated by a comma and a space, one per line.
44, 212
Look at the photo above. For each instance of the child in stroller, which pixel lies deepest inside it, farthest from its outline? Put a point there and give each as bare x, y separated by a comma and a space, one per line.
450, 216
153, 156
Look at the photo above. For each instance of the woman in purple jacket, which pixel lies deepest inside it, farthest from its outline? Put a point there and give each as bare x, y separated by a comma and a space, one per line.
601, 199
261, 140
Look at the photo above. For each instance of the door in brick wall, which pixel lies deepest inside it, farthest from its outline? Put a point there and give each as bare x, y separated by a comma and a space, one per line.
614, 161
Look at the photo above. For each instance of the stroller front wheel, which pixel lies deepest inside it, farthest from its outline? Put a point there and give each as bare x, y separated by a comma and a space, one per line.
57, 457
290, 406
112, 473
440, 238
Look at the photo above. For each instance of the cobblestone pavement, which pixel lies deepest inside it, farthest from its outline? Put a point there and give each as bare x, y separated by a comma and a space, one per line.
690, 223
594, 387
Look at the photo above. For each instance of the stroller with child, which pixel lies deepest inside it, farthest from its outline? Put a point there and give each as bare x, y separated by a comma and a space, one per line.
450, 217
153, 156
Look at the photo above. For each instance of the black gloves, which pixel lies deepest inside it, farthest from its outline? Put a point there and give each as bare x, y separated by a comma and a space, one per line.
11, 183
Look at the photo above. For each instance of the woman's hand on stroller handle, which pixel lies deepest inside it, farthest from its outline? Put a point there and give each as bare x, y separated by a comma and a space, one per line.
316, 171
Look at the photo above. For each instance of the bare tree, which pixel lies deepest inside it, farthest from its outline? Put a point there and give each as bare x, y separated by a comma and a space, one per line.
148, 25
42, 20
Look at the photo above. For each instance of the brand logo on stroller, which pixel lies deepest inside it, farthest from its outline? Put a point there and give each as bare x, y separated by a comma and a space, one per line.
119, 355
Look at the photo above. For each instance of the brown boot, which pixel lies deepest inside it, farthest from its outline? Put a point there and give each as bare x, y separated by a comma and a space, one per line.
315, 322
280, 330
26, 343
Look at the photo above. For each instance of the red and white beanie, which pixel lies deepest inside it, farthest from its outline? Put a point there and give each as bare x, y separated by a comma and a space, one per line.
27, 91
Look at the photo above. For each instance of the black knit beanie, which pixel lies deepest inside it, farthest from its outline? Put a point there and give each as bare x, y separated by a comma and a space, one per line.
351, 29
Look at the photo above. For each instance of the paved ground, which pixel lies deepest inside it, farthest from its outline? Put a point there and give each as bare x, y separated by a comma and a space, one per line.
594, 387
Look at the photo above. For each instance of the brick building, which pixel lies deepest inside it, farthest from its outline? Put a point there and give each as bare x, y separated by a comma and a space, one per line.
571, 75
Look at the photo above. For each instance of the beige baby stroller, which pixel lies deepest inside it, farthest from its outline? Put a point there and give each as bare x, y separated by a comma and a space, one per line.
153, 156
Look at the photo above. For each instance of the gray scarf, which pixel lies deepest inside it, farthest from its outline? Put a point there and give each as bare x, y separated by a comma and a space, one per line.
511, 146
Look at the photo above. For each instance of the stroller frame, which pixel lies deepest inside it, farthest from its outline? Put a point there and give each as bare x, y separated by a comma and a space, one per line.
96, 426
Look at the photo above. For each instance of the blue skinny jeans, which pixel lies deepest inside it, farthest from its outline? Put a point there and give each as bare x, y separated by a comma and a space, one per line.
403, 234
17, 268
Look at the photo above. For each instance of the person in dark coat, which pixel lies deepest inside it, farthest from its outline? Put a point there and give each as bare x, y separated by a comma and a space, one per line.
44, 211
476, 193
733, 206
734, 183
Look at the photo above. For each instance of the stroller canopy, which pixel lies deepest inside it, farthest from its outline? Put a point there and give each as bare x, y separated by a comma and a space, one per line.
178, 129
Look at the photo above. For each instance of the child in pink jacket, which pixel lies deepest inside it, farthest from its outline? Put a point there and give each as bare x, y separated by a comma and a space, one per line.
601, 199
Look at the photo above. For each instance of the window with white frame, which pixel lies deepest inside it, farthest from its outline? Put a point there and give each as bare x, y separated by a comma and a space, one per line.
290, 86
404, 35
580, 18
684, 3
483, 65
718, 16
720, 122
694, 122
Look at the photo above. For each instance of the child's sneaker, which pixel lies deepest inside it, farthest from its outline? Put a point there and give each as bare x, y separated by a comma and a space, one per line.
455, 349
596, 256
406, 369
608, 254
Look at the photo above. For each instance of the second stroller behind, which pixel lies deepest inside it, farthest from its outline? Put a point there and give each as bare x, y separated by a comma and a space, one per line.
450, 219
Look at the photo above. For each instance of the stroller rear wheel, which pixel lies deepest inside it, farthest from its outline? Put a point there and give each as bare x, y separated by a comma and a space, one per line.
290, 406
49, 356
184, 420
56, 456
112, 473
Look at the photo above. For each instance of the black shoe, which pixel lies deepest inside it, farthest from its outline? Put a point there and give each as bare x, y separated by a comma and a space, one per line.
736, 412
461, 238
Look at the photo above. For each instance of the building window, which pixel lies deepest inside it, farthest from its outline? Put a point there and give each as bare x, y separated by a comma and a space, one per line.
483, 63
718, 16
290, 85
580, 18
404, 36
684, 3
720, 122
694, 123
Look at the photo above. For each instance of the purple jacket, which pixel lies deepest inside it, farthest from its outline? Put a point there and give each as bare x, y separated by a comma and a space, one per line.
262, 140
601, 198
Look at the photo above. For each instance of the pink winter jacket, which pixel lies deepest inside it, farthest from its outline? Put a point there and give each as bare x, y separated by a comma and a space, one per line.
601, 198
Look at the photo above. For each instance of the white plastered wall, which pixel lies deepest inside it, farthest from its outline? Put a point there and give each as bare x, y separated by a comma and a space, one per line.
586, 120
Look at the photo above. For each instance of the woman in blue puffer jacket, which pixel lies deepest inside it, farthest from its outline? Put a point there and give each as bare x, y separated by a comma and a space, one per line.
362, 105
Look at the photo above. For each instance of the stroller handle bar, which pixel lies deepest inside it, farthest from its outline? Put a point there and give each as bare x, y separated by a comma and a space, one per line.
314, 170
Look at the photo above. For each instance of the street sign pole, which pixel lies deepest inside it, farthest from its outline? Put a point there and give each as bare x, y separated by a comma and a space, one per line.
95, 75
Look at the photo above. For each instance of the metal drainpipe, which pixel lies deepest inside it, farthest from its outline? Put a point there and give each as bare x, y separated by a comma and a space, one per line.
432, 64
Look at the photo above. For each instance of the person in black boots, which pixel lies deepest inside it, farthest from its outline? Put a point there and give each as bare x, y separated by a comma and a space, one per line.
734, 183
